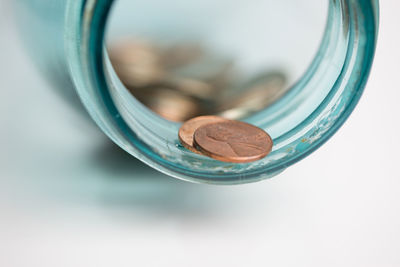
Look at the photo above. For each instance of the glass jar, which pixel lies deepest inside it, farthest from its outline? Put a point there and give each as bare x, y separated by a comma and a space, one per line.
67, 40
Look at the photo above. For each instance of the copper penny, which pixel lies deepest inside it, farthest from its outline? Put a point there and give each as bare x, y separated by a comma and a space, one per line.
232, 141
186, 132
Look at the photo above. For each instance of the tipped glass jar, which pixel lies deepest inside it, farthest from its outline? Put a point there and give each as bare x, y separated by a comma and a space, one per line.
324, 51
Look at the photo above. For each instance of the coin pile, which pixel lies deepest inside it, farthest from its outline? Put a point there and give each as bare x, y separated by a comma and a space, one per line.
183, 81
225, 140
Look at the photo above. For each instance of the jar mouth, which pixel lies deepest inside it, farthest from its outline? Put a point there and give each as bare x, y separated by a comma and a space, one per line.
300, 122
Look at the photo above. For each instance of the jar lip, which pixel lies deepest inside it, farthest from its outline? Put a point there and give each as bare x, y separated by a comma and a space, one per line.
87, 67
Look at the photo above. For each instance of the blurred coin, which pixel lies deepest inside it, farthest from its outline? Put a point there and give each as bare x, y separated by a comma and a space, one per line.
181, 54
185, 67
203, 81
137, 63
232, 141
254, 96
130, 51
210, 69
192, 87
186, 132
169, 104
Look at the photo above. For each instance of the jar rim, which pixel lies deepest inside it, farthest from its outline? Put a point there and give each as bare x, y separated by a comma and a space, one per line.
88, 66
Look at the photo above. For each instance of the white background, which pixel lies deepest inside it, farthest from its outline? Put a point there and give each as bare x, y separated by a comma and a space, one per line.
70, 198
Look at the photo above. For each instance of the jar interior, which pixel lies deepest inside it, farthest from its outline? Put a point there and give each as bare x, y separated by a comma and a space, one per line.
301, 43
185, 59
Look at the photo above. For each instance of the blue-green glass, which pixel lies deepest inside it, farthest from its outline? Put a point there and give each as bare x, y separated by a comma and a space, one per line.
66, 38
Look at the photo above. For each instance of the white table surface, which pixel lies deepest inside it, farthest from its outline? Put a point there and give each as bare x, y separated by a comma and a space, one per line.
68, 197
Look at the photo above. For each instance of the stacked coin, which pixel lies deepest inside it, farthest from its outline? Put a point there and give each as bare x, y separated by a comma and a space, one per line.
225, 140
178, 82
182, 81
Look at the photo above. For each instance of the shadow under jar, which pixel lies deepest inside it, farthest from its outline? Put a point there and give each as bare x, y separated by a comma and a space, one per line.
324, 48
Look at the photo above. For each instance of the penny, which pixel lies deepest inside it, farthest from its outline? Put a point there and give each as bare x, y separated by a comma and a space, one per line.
187, 130
232, 141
